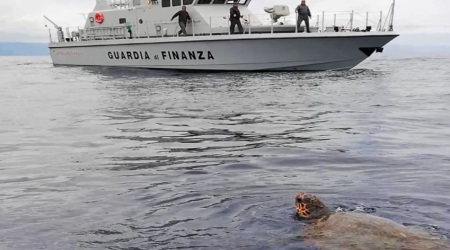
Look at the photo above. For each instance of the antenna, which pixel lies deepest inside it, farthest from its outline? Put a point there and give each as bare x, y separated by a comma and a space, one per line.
391, 26
54, 24
84, 16
59, 30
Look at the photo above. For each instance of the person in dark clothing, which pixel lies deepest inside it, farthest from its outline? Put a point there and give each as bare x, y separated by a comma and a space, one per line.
304, 14
235, 19
183, 18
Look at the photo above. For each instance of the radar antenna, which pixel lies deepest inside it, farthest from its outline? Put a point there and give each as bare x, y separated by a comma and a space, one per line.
277, 11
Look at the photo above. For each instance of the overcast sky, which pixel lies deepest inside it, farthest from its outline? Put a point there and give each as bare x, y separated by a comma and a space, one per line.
21, 20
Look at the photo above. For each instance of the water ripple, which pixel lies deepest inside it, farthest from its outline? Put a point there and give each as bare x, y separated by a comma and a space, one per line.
106, 158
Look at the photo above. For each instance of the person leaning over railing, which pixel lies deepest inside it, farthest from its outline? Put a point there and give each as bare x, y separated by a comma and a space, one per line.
183, 18
235, 19
303, 15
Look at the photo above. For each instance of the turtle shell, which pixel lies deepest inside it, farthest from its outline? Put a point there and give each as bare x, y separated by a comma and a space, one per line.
352, 230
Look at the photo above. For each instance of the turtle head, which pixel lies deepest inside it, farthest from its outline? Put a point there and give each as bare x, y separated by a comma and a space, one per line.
309, 207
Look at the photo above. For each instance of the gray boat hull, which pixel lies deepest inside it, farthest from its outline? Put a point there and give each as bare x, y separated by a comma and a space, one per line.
250, 52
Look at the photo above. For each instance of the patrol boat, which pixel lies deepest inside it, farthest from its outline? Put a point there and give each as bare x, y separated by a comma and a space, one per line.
139, 33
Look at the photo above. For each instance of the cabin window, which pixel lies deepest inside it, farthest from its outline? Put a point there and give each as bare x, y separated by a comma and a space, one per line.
187, 2
219, 1
204, 2
165, 3
176, 2
122, 20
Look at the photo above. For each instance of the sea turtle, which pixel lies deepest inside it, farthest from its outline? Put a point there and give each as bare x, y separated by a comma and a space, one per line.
352, 230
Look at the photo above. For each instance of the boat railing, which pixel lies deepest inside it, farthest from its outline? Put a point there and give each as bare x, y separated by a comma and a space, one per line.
326, 21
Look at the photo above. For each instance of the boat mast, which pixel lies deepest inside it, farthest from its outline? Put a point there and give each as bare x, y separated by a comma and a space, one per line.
59, 32
391, 24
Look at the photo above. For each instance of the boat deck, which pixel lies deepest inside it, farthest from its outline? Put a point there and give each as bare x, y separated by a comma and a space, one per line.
324, 22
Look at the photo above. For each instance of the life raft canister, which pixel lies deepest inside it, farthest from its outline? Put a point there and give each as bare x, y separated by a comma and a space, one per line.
98, 17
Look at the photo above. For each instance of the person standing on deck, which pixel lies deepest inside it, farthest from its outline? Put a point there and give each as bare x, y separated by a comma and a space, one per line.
303, 15
235, 19
183, 18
